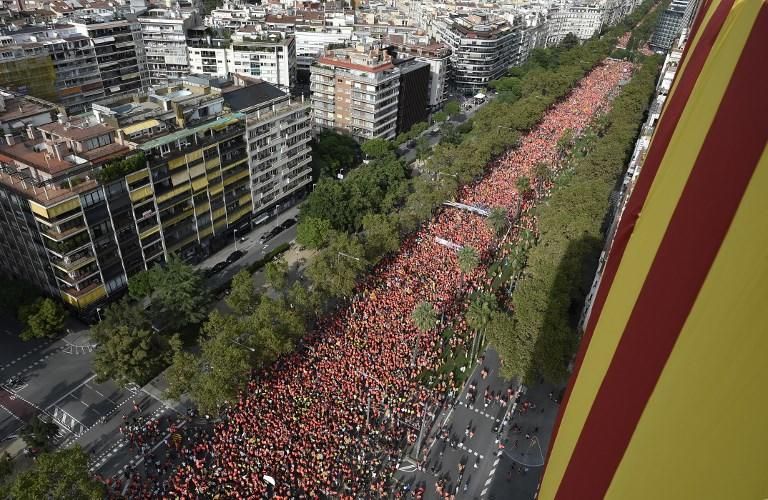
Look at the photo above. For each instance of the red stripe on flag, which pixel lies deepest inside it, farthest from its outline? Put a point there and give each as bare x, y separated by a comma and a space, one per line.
700, 222
658, 149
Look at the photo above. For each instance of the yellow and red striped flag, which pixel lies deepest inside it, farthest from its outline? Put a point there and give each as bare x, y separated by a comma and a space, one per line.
667, 399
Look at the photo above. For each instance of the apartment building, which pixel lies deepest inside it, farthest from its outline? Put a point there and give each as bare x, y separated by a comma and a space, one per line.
413, 98
436, 55
72, 78
234, 15
356, 90
278, 132
675, 18
88, 201
56, 234
583, 19
482, 48
268, 56
73, 64
119, 52
163, 31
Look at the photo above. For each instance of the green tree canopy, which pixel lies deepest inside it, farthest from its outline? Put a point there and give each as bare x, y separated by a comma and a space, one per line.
523, 184
376, 148
221, 369
569, 41
175, 291
39, 433
336, 268
480, 310
62, 475
381, 235
468, 259
498, 221
332, 152
128, 354
129, 350
242, 298
6, 468
440, 116
451, 108
43, 318
276, 273
424, 316
313, 232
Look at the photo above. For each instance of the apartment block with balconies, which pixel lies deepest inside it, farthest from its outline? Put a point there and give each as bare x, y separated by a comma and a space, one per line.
89, 201
278, 131
482, 48
356, 90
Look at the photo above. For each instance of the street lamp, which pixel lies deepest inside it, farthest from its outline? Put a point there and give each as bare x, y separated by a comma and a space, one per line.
243, 345
234, 235
98, 313
342, 254
439, 173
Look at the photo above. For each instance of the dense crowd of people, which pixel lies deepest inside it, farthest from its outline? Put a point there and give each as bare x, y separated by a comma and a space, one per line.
333, 418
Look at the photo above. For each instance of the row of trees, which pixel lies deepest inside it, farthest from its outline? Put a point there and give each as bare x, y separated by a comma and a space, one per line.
261, 328
355, 222
139, 335
547, 302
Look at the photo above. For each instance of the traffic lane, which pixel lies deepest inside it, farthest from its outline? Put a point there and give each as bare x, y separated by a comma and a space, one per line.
17, 412
116, 457
16, 352
55, 377
247, 239
254, 251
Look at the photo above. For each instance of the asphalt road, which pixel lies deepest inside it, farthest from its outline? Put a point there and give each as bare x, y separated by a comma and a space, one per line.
500, 460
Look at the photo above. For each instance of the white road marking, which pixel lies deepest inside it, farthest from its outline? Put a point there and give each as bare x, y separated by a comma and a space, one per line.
73, 390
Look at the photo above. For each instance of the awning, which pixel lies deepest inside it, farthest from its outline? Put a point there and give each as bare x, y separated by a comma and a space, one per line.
138, 127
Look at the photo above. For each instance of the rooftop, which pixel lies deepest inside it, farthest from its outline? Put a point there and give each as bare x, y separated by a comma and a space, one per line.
77, 130
252, 95
16, 107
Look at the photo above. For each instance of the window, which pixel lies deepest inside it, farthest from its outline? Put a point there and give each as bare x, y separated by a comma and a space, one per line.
93, 198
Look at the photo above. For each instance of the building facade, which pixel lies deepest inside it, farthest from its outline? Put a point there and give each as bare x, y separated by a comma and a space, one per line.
436, 55
482, 48
413, 101
278, 133
164, 34
356, 90
89, 201
270, 57
582, 19
119, 53
676, 17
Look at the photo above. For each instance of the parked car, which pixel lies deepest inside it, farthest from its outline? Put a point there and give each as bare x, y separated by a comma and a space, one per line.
234, 256
288, 223
219, 267
267, 236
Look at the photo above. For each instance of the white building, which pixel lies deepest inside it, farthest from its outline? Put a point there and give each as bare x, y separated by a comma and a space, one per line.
581, 19
278, 133
311, 42
437, 55
164, 35
269, 56
235, 15
482, 48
